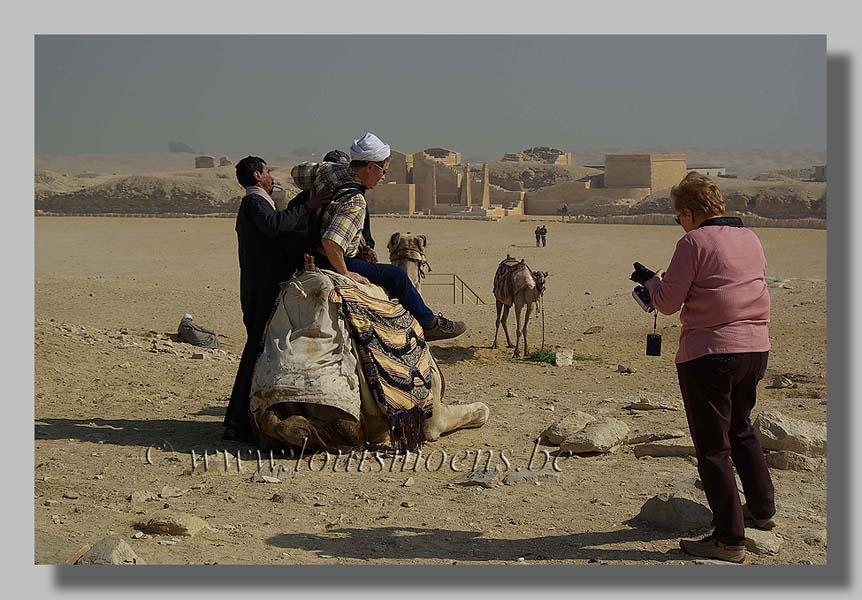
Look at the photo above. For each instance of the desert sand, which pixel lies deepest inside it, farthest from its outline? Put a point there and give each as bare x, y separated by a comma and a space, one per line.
118, 410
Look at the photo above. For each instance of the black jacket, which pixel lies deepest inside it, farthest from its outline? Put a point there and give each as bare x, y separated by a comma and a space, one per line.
269, 242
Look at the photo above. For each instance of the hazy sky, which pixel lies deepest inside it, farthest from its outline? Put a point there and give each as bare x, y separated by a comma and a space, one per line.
481, 95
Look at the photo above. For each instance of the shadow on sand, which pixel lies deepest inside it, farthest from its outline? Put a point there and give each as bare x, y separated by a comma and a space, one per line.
407, 543
452, 354
168, 434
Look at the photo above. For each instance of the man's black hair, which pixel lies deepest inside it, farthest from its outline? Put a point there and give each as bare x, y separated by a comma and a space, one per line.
245, 170
335, 156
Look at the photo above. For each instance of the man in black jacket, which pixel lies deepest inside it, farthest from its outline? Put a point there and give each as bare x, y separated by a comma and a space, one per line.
270, 243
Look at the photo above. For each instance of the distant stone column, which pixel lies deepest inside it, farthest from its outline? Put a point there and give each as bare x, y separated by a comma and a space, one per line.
433, 186
486, 186
466, 197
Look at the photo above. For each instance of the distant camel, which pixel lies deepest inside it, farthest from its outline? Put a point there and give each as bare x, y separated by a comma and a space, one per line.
515, 283
407, 251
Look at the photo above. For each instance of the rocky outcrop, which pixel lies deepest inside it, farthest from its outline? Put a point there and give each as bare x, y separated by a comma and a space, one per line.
787, 460
521, 176
543, 154
680, 511
604, 434
774, 199
566, 427
180, 147
109, 550
777, 431
147, 194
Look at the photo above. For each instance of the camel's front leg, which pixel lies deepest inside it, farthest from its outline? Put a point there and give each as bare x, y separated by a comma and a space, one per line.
451, 417
497, 325
526, 321
446, 418
506, 308
518, 308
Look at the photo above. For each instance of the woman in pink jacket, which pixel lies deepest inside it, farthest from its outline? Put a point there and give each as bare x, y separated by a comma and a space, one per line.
717, 276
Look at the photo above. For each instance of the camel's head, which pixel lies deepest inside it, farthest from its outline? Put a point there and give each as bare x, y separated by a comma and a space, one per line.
406, 245
540, 277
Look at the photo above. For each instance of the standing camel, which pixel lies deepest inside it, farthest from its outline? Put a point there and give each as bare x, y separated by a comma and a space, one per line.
516, 284
407, 251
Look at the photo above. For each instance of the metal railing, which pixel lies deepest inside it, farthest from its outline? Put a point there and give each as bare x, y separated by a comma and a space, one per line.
455, 282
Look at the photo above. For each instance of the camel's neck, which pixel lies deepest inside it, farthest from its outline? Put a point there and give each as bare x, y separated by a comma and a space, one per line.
410, 266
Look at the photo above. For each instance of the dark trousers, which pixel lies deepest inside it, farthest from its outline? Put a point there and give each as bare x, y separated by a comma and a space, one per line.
394, 280
719, 391
538, 239
257, 305
544, 242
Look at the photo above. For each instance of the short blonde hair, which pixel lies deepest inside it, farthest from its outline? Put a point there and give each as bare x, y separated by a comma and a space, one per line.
699, 194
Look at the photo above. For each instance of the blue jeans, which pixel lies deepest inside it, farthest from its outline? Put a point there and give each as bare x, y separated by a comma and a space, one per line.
394, 280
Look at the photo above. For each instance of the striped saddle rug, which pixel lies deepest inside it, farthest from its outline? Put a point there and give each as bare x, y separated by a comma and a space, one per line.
394, 358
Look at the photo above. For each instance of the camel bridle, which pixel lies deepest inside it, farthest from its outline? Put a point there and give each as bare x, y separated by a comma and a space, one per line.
416, 256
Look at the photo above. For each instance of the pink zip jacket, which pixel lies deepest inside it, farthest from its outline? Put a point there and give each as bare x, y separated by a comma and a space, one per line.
717, 274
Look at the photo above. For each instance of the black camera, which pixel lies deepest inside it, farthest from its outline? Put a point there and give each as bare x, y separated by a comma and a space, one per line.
642, 297
641, 275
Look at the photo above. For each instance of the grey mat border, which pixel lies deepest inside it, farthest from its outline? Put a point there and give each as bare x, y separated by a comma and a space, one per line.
834, 575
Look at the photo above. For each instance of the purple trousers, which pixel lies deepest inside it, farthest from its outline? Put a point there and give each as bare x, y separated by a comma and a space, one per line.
719, 391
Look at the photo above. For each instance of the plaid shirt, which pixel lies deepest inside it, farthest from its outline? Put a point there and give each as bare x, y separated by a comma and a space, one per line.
342, 220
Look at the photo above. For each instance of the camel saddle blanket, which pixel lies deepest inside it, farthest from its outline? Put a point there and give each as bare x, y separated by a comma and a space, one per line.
511, 277
395, 360
306, 352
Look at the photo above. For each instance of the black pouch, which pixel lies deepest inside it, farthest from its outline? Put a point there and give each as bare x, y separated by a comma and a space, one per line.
653, 344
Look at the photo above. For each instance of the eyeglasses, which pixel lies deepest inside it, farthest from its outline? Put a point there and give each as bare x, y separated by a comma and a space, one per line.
379, 167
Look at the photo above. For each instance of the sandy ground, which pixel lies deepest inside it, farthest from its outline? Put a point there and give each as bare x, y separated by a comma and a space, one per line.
107, 288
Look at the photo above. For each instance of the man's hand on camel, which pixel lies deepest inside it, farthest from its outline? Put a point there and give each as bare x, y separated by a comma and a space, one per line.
316, 200
367, 254
358, 278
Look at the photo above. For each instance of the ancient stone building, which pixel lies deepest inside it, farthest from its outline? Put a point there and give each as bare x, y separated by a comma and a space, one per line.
400, 168
628, 179
819, 173
581, 199
435, 182
544, 154
653, 171
709, 171
436, 177
388, 198
205, 162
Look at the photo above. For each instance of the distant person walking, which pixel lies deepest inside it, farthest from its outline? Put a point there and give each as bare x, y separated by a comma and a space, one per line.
538, 233
543, 232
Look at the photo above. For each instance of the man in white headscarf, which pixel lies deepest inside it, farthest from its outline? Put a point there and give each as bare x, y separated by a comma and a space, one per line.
341, 226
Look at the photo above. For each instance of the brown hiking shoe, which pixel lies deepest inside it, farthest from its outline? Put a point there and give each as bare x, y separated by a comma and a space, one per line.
443, 329
709, 547
750, 521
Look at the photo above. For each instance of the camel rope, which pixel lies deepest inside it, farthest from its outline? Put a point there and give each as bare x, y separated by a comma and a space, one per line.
415, 256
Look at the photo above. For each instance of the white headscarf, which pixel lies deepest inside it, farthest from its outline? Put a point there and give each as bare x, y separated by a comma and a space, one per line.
369, 147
